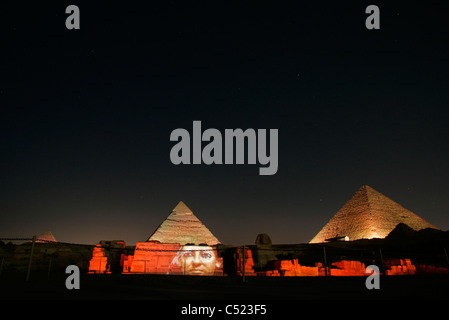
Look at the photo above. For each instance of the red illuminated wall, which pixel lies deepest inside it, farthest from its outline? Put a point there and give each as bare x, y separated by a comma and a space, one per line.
162, 258
152, 257
249, 262
347, 268
399, 267
107, 254
99, 261
291, 268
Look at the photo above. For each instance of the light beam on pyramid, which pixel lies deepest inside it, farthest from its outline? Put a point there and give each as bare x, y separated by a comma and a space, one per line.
183, 227
367, 215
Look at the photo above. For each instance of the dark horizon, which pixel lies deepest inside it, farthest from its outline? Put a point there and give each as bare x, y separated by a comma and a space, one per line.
87, 114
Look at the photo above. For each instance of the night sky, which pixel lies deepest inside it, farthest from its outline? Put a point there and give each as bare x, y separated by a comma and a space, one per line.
86, 115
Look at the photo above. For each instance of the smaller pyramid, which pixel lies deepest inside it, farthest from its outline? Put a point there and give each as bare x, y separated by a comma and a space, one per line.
183, 227
369, 214
47, 236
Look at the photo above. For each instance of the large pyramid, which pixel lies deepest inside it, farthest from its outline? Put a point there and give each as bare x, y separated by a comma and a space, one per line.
182, 226
369, 214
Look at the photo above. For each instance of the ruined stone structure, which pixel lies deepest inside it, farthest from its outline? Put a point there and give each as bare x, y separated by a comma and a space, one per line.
350, 268
247, 263
99, 261
152, 257
291, 268
107, 256
368, 214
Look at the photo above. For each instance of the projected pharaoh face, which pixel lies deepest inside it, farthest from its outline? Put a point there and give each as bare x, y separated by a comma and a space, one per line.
198, 260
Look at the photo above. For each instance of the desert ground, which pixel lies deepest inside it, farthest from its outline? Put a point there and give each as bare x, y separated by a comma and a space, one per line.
163, 287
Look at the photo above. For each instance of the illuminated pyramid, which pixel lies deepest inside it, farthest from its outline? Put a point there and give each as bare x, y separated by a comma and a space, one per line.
47, 236
368, 214
182, 226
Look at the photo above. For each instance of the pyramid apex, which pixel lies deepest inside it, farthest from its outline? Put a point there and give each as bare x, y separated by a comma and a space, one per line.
366, 188
182, 227
182, 208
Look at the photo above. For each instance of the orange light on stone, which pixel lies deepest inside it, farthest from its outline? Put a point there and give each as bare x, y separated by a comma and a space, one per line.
367, 215
399, 267
348, 268
291, 268
151, 257
172, 258
99, 261
353, 268
249, 262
